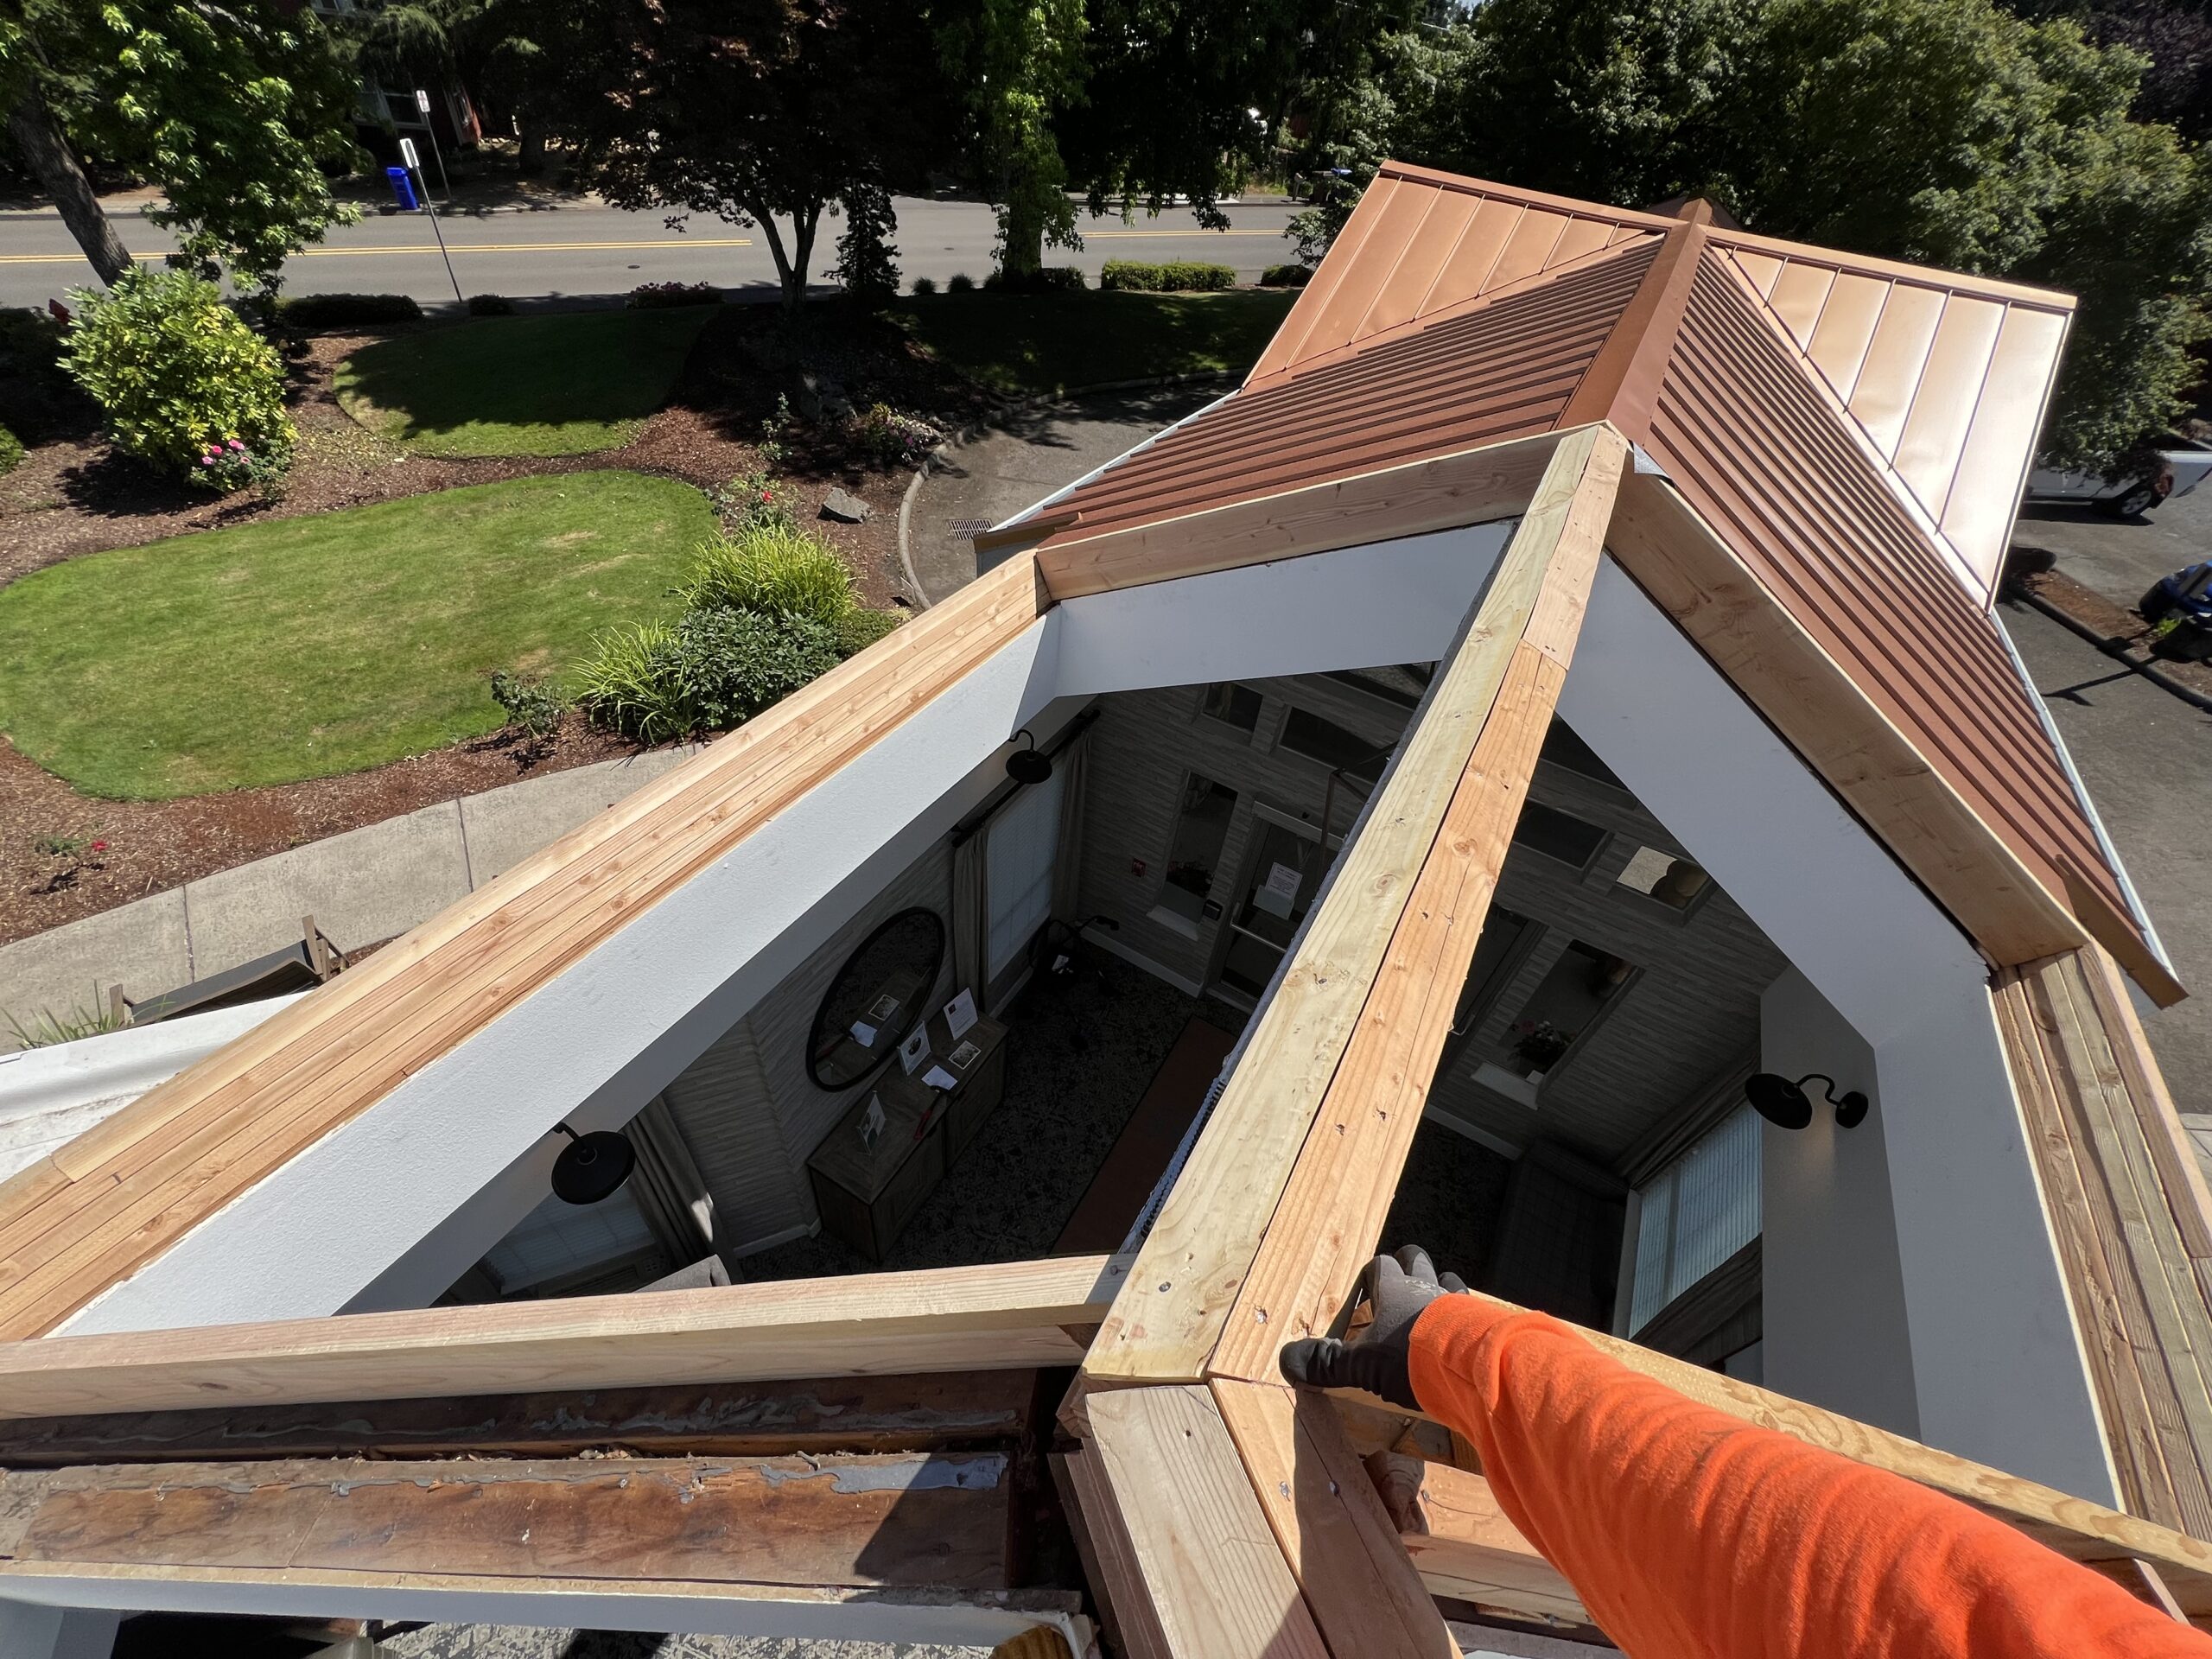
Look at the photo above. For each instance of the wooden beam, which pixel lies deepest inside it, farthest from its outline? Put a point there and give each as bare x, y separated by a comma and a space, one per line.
1443, 493
1785, 674
1329, 1219
1461, 1543
1007, 1316
1193, 1263
1109, 1558
909, 1519
116, 1198
2074, 1527
1211, 1572
828, 1414
1342, 1544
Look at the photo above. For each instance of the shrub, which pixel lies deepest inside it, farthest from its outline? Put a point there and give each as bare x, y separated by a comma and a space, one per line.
867, 267
774, 570
1129, 276
924, 285
1285, 275
649, 295
490, 305
176, 373
959, 282
11, 451
330, 311
529, 702
224, 468
754, 501
859, 629
1045, 280
1191, 275
889, 438
713, 668
46, 1028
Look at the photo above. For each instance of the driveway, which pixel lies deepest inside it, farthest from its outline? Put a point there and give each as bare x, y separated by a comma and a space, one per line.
996, 475
2121, 557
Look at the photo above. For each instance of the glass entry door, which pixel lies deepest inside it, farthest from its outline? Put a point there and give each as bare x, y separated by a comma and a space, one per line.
1281, 879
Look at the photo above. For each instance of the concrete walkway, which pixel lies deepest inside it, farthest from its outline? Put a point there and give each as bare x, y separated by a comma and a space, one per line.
361, 888
996, 475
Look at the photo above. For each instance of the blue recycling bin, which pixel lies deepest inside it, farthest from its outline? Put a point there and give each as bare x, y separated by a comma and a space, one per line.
404, 187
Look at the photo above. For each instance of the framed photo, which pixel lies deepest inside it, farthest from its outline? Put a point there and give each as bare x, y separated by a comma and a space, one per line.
915, 1050
962, 1057
960, 1014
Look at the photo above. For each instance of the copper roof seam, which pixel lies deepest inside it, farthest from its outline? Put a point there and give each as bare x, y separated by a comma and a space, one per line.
1937, 509
1282, 352
1954, 281
1359, 329
1623, 378
1422, 306
1389, 237
1544, 264
1518, 195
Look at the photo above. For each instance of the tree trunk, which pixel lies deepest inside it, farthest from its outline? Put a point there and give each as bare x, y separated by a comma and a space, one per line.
54, 165
803, 226
1021, 228
533, 156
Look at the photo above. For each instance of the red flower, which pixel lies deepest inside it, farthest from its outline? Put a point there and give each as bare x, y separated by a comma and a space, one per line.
100, 846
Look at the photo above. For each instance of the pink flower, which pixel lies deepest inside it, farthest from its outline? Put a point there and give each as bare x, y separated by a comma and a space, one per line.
206, 461
100, 846
235, 444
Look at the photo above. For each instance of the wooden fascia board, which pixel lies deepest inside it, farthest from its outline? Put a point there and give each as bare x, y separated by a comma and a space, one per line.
2074, 1527
1191, 1266
112, 1201
1471, 486
1004, 1317
1691, 574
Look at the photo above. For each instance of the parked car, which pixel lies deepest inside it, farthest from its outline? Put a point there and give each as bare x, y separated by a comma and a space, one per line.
2179, 610
2182, 467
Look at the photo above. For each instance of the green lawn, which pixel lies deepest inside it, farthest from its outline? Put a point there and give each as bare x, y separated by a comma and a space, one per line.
306, 646
1052, 342
564, 384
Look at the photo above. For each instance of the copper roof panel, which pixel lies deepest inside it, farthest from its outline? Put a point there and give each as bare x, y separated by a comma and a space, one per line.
1882, 396
1943, 401
1840, 341
1993, 460
1798, 293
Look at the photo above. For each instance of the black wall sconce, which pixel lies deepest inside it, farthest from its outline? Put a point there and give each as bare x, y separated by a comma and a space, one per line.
1028, 765
1787, 1106
592, 1167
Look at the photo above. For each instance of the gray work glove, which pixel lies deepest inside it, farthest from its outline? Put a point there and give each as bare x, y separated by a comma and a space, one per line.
1399, 1287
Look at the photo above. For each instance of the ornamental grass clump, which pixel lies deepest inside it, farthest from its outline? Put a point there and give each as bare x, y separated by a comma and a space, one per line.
774, 569
184, 384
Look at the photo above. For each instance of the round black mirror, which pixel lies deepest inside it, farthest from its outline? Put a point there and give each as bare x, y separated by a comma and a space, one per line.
879, 995
592, 1167
1779, 1100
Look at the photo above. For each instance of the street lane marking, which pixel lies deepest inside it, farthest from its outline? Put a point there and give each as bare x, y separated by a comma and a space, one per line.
431, 247
1194, 233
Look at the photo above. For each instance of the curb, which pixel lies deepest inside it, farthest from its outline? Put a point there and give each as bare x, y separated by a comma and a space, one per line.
2165, 682
967, 434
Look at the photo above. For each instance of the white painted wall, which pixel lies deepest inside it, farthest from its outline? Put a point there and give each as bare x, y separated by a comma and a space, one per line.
1997, 1368
1835, 1327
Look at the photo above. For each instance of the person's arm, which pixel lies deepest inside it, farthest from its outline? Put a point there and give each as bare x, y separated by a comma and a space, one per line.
1691, 1535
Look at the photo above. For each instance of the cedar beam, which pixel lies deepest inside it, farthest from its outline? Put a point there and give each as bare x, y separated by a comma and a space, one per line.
1193, 1265
1008, 1315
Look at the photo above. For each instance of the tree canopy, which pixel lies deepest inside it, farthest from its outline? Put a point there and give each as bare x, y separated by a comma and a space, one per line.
1947, 132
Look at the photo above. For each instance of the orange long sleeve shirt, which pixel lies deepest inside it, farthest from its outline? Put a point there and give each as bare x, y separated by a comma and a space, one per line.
1691, 1535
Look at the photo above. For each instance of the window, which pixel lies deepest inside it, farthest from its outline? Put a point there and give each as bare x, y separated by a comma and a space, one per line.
559, 1240
1697, 1213
1194, 851
1674, 882
1359, 758
1233, 705
1580, 986
1558, 835
1018, 872
1563, 748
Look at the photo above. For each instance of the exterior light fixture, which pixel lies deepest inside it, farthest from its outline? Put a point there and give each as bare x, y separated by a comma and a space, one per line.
592, 1167
1028, 765
1787, 1106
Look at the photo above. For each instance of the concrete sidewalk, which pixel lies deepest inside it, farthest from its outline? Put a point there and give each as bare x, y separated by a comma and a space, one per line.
363, 887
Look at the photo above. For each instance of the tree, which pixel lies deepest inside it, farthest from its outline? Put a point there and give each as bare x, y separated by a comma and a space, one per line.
1947, 132
489, 45
752, 111
233, 112
1023, 62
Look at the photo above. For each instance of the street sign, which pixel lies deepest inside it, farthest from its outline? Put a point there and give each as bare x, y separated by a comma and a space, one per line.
421, 101
407, 153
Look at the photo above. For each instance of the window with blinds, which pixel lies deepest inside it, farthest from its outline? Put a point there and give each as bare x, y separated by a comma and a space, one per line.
1018, 873
1696, 1213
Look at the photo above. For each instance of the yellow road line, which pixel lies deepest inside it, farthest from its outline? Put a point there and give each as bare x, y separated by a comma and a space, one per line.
432, 247
1193, 232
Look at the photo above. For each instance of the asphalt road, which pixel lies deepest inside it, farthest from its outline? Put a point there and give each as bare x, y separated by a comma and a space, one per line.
2121, 557
567, 252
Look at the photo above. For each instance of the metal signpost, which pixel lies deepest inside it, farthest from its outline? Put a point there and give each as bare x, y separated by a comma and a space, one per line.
422, 104
409, 154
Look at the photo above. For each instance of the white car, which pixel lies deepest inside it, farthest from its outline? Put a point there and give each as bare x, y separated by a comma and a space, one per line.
2182, 467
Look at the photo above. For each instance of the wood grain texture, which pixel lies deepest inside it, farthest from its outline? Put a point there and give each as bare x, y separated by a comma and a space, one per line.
829, 1413
1008, 1315
1782, 671
2074, 1527
1459, 1540
1109, 1558
1208, 1563
1341, 1543
1446, 492
1191, 1266
114, 1199
898, 1519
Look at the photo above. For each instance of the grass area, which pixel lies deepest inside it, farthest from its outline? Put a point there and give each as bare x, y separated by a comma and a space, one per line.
1053, 342
304, 647
564, 384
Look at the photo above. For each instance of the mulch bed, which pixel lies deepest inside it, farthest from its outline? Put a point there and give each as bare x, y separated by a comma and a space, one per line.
73, 495
2125, 629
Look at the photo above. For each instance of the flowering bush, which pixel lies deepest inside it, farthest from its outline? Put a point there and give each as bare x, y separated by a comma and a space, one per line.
231, 465
647, 296
754, 501
891, 439
178, 375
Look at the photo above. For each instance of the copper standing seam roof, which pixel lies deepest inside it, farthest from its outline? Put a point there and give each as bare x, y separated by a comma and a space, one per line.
1858, 430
